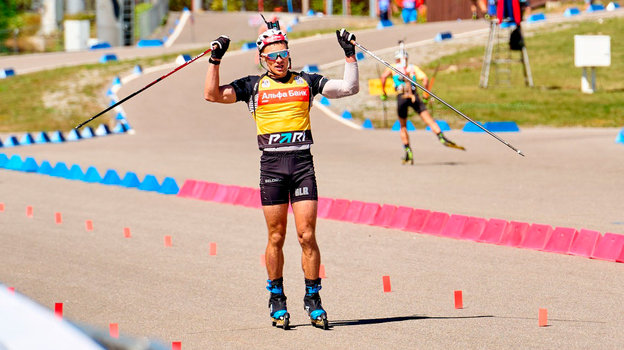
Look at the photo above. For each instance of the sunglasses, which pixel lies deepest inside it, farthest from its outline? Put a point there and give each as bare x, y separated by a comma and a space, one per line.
274, 55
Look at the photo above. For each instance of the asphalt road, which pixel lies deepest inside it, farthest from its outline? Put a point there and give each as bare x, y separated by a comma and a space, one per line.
570, 177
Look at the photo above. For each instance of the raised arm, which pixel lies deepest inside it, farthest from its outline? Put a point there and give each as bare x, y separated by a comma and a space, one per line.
214, 92
350, 83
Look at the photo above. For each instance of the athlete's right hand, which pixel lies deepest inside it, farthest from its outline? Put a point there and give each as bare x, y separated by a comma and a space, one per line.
383, 97
219, 47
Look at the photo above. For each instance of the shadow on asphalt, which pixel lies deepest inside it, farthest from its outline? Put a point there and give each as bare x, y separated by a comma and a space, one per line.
367, 321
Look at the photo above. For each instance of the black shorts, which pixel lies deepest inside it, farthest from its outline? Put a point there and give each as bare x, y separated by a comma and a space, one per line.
403, 103
287, 176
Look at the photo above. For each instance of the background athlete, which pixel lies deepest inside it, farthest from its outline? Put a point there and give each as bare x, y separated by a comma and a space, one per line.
408, 97
280, 102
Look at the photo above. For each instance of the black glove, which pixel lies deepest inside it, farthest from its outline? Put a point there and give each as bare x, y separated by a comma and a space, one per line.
219, 46
344, 39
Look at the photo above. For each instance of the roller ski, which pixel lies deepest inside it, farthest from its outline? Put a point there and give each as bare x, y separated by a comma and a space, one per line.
277, 304
409, 156
448, 143
312, 304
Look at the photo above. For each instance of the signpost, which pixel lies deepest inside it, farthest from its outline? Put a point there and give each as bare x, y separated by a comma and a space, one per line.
591, 51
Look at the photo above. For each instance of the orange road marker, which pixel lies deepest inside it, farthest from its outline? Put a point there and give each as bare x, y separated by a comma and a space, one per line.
213, 248
58, 310
89, 225
127, 232
176, 345
29, 211
386, 284
113, 329
459, 301
543, 318
1, 207
58, 218
167, 241
11, 290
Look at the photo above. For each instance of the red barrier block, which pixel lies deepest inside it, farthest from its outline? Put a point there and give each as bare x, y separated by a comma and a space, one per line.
459, 300
221, 193
187, 188
176, 345
324, 206
168, 242
514, 233
89, 225
386, 284
368, 213
113, 330
435, 223
243, 195
213, 248
417, 220
58, 218
58, 310
384, 215
609, 247
536, 237
254, 199
353, 212
560, 240
454, 226
29, 211
126, 232
1, 207
338, 209
473, 228
542, 318
493, 231
401, 217
584, 243
206, 191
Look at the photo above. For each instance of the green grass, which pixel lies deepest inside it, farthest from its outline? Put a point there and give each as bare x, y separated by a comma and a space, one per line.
556, 99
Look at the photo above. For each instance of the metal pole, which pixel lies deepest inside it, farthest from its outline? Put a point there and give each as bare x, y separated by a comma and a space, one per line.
436, 97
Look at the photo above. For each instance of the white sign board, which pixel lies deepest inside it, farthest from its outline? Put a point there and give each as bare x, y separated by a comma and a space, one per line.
592, 50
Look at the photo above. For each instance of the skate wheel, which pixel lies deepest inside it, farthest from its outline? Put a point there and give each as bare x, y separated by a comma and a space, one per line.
286, 325
325, 324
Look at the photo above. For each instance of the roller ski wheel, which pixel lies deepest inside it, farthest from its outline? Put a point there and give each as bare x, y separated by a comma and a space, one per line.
409, 157
281, 320
448, 143
320, 321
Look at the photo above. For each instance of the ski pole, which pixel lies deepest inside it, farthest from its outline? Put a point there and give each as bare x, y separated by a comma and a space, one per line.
142, 89
435, 96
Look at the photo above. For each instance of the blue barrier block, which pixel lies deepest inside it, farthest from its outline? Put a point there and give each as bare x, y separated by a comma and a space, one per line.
30, 165
15, 163
310, 68
310, 12
73, 135
471, 127
612, 6
571, 11
102, 130
109, 57
92, 175
11, 142
384, 24
149, 183
618, 139
6, 72
87, 133
3, 160
536, 17
360, 56
177, 21
595, 8
347, 115
130, 180
443, 36
112, 102
150, 43
169, 186
75, 173
170, 31
110, 93
289, 29
325, 101
57, 137
42, 137
45, 168
137, 69
505, 126
409, 125
102, 45
444, 126
120, 116
249, 46
27, 139
120, 128
111, 178
60, 170
164, 39
368, 124
116, 80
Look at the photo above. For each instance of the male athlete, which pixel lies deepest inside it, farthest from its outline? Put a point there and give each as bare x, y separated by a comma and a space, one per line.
279, 101
408, 97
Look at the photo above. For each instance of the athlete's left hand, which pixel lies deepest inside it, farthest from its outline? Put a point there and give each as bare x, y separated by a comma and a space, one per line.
344, 39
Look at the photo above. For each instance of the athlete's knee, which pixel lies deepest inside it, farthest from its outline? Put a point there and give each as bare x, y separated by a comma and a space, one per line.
277, 236
307, 237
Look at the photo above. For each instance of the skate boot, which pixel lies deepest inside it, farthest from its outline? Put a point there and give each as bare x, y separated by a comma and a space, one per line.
409, 156
312, 304
448, 143
277, 304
